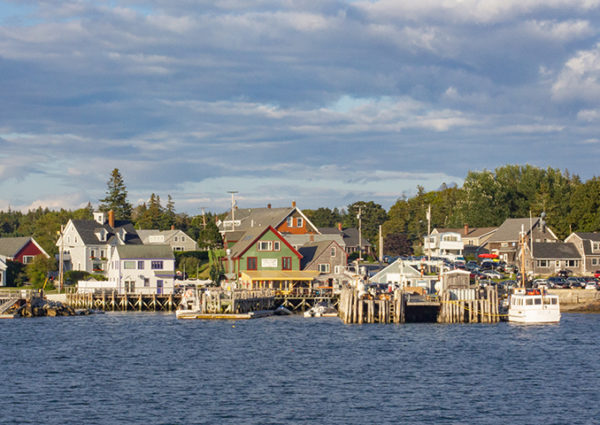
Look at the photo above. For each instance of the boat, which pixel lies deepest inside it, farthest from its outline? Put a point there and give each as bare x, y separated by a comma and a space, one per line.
527, 305
321, 310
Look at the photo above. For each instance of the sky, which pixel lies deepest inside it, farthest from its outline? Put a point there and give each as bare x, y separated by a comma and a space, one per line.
320, 102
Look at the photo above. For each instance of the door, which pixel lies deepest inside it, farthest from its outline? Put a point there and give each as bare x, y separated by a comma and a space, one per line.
159, 287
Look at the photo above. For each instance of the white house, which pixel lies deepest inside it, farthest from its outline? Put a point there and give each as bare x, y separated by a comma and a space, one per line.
177, 239
447, 244
88, 244
142, 269
2, 270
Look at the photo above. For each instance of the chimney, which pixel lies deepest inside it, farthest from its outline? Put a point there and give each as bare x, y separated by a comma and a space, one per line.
111, 218
269, 206
466, 229
293, 204
172, 227
339, 226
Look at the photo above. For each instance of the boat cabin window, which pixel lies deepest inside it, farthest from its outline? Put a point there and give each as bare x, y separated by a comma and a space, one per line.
537, 301
553, 300
529, 301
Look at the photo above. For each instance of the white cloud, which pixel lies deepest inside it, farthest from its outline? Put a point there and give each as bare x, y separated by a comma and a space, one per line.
580, 77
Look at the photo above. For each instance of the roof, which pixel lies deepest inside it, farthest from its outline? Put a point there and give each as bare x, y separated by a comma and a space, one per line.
145, 234
87, 231
253, 235
252, 275
398, 266
592, 236
472, 232
552, 250
9, 247
350, 235
312, 251
146, 252
300, 240
510, 229
261, 217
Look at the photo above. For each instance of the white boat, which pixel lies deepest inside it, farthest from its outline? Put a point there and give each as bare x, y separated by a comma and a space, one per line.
190, 305
531, 305
321, 310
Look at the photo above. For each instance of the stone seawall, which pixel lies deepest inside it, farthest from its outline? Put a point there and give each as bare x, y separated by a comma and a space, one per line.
578, 299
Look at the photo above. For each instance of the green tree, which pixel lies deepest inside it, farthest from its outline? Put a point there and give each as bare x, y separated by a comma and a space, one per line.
116, 197
324, 217
38, 269
372, 215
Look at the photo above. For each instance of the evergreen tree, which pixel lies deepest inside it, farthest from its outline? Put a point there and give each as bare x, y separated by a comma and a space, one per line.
116, 197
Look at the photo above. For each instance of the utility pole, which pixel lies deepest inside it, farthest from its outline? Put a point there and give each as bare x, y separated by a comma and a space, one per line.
233, 192
203, 218
380, 245
359, 233
61, 259
428, 239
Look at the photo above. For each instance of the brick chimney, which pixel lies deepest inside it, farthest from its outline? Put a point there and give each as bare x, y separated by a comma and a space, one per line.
269, 206
339, 226
293, 204
466, 229
172, 227
111, 218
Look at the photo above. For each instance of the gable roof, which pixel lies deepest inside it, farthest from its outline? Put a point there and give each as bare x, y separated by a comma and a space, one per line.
303, 239
313, 250
472, 232
350, 235
145, 234
145, 252
510, 229
10, 247
552, 250
252, 236
87, 231
592, 236
262, 217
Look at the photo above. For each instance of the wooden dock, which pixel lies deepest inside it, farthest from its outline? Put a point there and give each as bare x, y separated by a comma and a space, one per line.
110, 301
472, 305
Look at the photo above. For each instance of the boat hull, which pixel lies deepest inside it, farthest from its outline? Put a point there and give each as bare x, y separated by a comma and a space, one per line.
547, 315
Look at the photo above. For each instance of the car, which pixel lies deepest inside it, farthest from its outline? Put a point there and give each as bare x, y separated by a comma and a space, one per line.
492, 274
558, 282
541, 283
591, 285
574, 282
564, 273
597, 274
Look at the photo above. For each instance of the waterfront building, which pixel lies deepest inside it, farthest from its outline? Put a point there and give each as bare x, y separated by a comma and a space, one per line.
142, 269
505, 241
326, 257
88, 244
588, 246
178, 240
548, 258
21, 249
3, 267
446, 245
474, 239
353, 242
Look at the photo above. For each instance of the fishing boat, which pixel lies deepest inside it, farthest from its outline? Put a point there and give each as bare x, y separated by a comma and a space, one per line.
531, 305
321, 310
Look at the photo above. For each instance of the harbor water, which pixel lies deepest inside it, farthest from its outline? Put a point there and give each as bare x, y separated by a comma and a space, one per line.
145, 368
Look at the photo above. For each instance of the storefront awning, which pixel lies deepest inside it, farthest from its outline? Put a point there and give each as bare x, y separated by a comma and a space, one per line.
267, 275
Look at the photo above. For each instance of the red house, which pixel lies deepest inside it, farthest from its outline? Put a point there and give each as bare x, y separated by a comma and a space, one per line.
21, 249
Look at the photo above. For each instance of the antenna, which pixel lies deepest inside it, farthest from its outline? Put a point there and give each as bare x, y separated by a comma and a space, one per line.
203, 218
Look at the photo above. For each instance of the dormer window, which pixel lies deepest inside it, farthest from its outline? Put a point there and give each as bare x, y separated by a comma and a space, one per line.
595, 246
101, 235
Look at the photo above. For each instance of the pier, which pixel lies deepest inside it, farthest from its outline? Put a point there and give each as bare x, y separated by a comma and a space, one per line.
111, 301
472, 305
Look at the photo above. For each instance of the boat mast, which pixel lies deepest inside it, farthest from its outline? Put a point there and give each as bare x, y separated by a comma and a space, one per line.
522, 234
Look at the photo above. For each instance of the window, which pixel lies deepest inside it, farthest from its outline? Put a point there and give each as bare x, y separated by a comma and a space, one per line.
290, 221
141, 265
129, 265
175, 238
542, 263
27, 259
102, 255
156, 264
251, 263
595, 246
324, 268
594, 261
572, 263
338, 269
286, 263
129, 286
92, 253
333, 251
265, 246
178, 248
504, 244
276, 245
299, 222
146, 282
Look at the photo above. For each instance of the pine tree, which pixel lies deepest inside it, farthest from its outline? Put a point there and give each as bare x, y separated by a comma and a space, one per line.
116, 197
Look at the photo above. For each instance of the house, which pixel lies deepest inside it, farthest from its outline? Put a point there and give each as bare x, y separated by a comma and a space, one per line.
297, 241
142, 269
548, 258
447, 245
3, 267
21, 249
327, 257
474, 239
88, 244
350, 236
401, 274
284, 220
177, 239
263, 258
505, 241
588, 246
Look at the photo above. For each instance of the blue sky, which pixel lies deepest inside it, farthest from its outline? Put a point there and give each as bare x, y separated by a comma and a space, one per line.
324, 103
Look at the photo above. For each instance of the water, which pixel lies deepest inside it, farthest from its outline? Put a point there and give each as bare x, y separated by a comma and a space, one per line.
152, 369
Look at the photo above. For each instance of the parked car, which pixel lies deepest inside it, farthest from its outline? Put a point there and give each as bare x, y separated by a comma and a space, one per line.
574, 282
541, 283
492, 274
558, 282
597, 274
564, 273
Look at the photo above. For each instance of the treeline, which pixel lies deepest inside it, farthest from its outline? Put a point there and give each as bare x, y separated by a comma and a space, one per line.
486, 198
